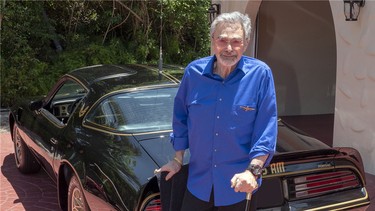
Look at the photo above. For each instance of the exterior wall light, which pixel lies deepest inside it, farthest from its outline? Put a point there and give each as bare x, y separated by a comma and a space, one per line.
351, 9
213, 11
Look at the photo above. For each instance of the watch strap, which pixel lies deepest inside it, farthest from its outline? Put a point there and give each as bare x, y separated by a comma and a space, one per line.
255, 169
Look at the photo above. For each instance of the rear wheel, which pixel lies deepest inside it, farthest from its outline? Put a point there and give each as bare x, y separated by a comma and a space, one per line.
151, 202
76, 199
25, 161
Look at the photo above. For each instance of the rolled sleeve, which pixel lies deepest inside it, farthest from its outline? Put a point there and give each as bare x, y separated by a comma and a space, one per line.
179, 137
179, 143
265, 127
260, 152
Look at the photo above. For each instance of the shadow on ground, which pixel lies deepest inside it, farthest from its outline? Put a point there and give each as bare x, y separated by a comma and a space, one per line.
32, 192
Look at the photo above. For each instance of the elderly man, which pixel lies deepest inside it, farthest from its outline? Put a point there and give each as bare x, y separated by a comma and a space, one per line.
225, 114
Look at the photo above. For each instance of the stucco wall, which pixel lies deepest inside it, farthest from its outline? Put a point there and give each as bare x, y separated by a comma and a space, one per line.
355, 84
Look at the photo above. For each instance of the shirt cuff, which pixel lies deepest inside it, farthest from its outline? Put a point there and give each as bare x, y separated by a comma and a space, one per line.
179, 143
255, 154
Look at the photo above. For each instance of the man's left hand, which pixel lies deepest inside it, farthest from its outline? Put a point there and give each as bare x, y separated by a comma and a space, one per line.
244, 182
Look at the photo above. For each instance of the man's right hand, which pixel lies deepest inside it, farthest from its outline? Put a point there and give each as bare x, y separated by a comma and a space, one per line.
172, 167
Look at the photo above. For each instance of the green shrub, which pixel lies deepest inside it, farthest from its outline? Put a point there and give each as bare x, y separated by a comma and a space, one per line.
93, 32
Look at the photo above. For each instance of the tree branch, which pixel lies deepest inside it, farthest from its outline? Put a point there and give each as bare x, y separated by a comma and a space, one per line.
131, 11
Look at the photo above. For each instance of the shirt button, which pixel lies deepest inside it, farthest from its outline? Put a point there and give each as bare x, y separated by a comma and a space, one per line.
216, 134
220, 99
215, 166
218, 117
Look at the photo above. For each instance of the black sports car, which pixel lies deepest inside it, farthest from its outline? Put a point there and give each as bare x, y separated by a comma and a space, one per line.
102, 131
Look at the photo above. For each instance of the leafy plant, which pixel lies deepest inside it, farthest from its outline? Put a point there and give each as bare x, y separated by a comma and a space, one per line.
41, 40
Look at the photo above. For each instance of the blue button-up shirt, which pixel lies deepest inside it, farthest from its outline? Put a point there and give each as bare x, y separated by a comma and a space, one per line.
225, 123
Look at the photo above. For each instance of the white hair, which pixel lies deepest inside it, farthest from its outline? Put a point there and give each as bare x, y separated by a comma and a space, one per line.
233, 17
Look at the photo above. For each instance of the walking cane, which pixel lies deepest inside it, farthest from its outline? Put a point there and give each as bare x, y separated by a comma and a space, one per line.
248, 199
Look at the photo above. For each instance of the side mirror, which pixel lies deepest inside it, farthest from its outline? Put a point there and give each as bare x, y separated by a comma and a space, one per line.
36, 105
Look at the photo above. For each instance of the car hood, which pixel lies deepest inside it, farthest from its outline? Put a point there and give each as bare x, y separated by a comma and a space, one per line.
158, 146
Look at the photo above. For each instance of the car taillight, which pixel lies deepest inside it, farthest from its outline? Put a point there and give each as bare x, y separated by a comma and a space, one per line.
320, 184
154, 205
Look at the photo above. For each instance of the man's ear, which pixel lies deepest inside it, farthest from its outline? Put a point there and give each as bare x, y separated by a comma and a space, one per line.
246, 44
247, 41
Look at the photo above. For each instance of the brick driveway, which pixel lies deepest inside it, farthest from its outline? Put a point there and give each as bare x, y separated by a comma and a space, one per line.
18, 192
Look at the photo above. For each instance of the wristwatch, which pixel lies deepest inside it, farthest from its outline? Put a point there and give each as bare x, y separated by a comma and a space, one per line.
255, 169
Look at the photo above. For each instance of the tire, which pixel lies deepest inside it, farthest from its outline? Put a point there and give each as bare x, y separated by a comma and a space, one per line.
151, 201
25, 160
76, 199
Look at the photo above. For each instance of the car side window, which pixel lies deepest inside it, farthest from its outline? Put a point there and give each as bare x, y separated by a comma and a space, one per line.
66, 99
106, 114
135, 112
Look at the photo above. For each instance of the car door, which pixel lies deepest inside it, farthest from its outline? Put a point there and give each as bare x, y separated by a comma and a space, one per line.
52, 118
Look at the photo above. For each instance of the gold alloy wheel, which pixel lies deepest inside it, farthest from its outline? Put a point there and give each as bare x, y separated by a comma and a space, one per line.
77, 202
17, 147
76, 199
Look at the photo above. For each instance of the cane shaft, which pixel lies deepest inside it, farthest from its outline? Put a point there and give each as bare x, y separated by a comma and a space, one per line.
248, 198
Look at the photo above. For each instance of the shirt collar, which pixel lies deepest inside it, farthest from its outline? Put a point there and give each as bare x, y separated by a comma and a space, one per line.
241, 64
210, 66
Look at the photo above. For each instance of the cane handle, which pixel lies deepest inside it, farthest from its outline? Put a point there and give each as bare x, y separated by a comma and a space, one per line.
248, 196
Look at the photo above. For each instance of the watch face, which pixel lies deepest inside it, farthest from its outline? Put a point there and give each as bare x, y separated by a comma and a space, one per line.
256, 170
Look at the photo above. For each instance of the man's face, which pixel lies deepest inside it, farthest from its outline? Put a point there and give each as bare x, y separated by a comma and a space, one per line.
228, 44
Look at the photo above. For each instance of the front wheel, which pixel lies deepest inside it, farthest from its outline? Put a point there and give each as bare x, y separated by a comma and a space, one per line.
25, 161
76, 199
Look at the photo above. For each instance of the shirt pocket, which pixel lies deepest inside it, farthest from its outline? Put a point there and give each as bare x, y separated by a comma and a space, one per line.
243, 120
202, 105
243, 115
196, 109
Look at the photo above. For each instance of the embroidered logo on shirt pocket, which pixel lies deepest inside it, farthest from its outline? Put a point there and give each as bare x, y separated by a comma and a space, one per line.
247, 108
243, 117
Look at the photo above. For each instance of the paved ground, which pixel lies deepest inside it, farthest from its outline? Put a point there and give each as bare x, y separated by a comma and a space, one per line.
20, 192
4, 126
37, 192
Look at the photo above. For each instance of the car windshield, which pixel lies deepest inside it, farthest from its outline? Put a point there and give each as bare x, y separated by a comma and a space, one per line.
136, 112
